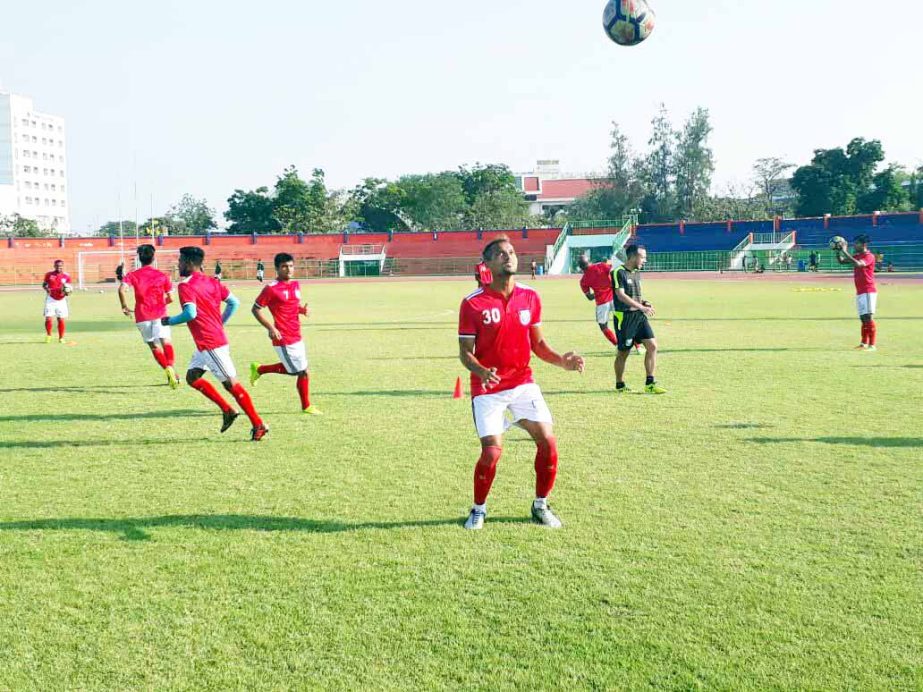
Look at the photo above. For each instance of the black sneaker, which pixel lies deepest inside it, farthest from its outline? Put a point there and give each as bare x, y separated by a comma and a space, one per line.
258, 433
229, 418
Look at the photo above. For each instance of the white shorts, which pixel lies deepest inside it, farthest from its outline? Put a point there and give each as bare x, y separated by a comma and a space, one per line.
56, 308
217, 361
866, 303
604, 312
153, 330
524, 402
294, 357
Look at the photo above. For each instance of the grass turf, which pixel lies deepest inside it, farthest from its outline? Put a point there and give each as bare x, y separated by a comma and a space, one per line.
757, 527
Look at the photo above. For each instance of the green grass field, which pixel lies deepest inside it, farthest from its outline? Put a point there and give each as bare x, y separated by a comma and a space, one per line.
761, 526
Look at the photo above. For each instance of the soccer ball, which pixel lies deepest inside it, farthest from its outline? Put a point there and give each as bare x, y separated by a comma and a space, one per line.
836, 241
68, 289
628, 22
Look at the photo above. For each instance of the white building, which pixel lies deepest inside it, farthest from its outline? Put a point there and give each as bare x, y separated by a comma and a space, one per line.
33, 164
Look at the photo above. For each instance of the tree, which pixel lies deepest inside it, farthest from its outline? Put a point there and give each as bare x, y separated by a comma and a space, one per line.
835, 179
252, 211
620, 191
694, 163
433, 201
305, 206
192, 216
21, 227
493, 198
113, 228
660, 169
888, 192
376, 204
768, 174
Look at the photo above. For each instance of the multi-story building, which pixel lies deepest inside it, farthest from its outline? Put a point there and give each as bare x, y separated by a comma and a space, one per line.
33, 164
548, 191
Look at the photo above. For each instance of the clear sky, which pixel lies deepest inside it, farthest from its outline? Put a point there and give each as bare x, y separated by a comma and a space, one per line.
203, 96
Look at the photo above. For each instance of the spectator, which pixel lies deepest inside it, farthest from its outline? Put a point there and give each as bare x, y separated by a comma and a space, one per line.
813, 260
890, 267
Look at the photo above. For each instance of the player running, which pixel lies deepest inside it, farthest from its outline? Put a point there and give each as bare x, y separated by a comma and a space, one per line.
631, 320
499, 326
863, 263
596, 284
283, 298
152, 289
201, 298
57, 285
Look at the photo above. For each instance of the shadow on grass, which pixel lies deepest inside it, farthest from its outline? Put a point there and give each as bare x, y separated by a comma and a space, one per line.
52, 417
851, 441
889, 367
136, 529
87, 389
64, 444
744, 426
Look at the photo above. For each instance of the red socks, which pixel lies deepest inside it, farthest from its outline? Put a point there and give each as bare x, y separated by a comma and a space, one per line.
209, 391
275, 369
484, 473
169, 354
60, 328
303, 384
872, 331
48, 322
546, 466
159, 357
610, 335
240, 394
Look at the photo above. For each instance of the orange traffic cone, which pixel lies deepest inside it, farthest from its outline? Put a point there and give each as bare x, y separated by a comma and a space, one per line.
458, 389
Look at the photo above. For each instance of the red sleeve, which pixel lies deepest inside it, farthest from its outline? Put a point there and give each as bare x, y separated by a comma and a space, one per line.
224, 292
129, 279
264, 298
585, 281
45, 280
167, 284
186, 294
467, 320
536, 311
67, 279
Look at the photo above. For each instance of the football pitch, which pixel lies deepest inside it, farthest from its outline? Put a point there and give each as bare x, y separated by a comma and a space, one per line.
760, 526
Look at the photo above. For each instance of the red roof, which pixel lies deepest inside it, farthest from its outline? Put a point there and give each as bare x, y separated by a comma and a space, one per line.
566, 189
530, 184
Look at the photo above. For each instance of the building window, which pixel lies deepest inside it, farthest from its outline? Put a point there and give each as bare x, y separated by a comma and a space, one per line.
62, 174
25, 122
28, 200
35, 139
63, 189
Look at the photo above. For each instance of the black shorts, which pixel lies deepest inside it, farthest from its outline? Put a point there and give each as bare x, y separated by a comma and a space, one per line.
631, 328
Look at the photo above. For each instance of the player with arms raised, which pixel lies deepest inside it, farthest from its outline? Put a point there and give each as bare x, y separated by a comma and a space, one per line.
863, 263
283, 299
152, 289
499, 327
57, 285
201, 298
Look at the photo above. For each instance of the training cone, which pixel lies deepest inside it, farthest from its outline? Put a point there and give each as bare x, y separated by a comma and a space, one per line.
458, 389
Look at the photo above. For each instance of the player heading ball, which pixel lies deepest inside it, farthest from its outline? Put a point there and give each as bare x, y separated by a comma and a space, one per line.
499, 327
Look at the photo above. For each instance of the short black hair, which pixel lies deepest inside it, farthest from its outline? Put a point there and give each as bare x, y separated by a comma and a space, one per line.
488, 251
192, 254
862, 238
632, 250
282, 258
583, 261
145, 254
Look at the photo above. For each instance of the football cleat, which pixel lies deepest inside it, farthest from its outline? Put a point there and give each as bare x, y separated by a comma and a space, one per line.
172, 379
312, 411
258, 433
228, 419
654, 389
475, 519
623, 390
860, 347
61, 340
48, 339
254, 373
871, 348
542, 514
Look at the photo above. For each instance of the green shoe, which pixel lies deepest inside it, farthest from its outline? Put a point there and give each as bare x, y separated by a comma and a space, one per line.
654, 389
623, 390
254, 373
48, 339
312, 411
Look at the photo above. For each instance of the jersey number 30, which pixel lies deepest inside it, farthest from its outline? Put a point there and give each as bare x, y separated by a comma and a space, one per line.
491, 316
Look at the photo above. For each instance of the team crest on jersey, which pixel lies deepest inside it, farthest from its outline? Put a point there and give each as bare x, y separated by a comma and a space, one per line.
525, 317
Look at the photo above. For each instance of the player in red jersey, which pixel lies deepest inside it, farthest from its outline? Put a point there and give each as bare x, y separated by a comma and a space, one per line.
57, 285
863, 263
283, 298
152, 289
201, 298
596, 284
499, 327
